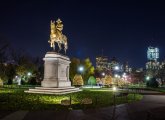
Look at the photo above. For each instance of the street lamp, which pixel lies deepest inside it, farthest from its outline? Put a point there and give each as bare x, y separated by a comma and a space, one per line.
116, 68
147, 78
29, 74
124, 74
103, 74
81, 69
114, 88
116, 75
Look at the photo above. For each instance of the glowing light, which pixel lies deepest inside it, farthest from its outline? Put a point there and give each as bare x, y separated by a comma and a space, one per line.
116, 75
116, 67
81, 68
147, 78
29, 73
103, 74
114, 88
124, 75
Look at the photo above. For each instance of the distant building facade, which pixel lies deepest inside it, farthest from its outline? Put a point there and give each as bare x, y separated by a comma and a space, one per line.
152, 53
152, 57
101, 62
111, 66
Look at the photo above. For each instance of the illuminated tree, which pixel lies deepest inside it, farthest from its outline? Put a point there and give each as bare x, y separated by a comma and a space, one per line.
98, 80
91, 81
88, 69
103, 81
117, 81
108, 80
1, 82
77, 80
26, 66
75, 63
121, 82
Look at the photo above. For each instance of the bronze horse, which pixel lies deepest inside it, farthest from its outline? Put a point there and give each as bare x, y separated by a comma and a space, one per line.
56, 35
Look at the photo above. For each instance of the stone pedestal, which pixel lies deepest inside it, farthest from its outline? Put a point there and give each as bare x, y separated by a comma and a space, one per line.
56, 76
56, 70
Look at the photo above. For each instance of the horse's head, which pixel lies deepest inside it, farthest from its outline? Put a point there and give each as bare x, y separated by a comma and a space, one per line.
52, 26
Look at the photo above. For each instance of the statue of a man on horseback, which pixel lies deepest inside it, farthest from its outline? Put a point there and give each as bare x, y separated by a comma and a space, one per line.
56, 35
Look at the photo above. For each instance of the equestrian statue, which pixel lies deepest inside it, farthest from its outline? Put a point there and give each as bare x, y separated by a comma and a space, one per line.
56, 35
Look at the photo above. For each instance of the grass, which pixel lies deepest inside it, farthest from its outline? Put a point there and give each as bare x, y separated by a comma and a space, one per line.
159, 89
16, 99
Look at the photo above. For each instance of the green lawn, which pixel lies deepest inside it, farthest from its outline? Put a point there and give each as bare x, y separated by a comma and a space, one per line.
159, 89
16, 99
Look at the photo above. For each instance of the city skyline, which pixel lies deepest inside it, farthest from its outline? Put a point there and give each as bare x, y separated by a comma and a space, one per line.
123, 30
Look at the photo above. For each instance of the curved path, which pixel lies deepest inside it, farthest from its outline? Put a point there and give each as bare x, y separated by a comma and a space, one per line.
151, 107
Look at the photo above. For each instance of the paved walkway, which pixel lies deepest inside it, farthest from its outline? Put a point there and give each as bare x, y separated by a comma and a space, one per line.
151, 107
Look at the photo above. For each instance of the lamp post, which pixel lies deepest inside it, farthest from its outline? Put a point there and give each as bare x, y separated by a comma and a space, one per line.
114, 89
81, 70
116, 68
18, 79
114, 94
147, 78
29, 74
103, 74
101, 79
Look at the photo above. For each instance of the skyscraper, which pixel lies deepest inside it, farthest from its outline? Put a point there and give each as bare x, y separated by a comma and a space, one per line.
152, 56
152, 53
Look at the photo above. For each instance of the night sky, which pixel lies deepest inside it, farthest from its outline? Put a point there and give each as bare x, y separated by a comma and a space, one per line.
122, 29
